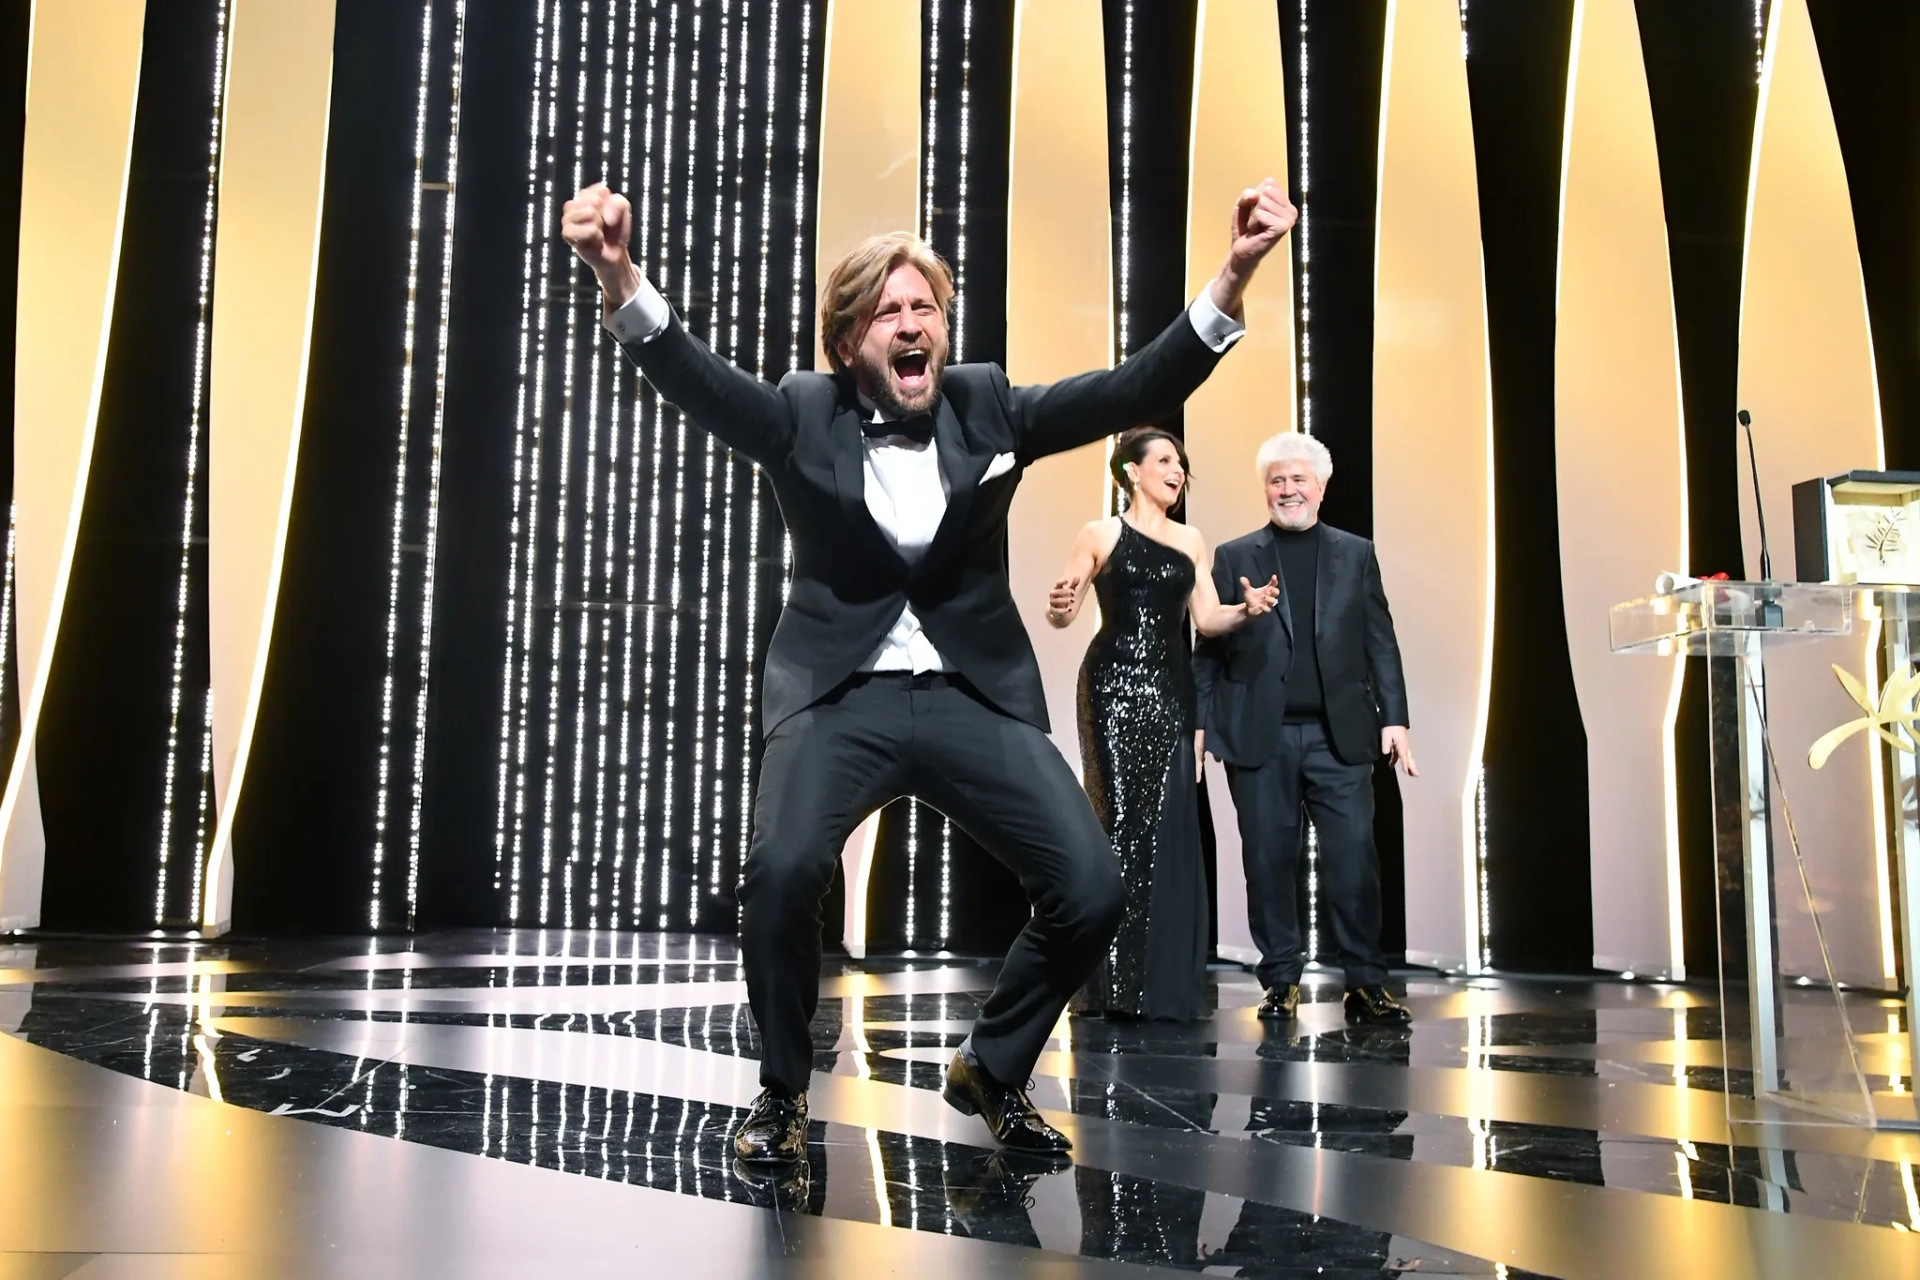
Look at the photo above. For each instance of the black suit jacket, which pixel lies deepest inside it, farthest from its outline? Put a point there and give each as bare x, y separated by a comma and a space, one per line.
1242, 676
849, 583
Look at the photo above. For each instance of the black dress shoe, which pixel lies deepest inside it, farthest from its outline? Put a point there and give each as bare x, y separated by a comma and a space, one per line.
774, 1132
1282, 1003
1007, 1110
1373, 1007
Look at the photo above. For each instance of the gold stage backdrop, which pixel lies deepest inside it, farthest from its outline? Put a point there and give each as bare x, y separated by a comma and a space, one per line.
1620, 448
1239, 135
1806, 373
83, 77
1432, 473
271, 179
1059, 306
1807, 376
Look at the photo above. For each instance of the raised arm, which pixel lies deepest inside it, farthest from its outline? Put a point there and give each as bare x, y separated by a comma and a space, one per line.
1213, 618
1089, 551
740, 410
1157, 379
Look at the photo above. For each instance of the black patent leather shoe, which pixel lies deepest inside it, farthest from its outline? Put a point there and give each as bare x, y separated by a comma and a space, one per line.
1007, 1110
774, 1132
1373, 1007
1282, 1003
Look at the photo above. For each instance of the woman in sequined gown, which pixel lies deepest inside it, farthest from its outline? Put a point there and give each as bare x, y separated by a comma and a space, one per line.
1138, 745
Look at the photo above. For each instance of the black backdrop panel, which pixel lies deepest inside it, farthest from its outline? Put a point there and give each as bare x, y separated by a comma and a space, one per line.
1867, 51
108, 726
1538, 905
303, 833
1703, 81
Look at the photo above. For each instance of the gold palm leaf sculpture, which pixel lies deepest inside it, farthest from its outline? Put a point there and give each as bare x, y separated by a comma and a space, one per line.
1896, 711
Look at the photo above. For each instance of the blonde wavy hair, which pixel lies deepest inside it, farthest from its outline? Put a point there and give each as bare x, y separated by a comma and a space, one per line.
853, 287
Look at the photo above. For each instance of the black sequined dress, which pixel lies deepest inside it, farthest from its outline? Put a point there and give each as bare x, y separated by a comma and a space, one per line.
1136, 709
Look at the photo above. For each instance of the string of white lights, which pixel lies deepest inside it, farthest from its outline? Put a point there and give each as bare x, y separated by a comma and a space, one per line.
1303, 337
1486, 903
662, 708
678, 598
563, 478
641, 399
705, 759
177, 696
7, 668
752, 604
630, 400
397, 534
930, 152
523, 560
1759, 40
592, 614
432, 541
730, 466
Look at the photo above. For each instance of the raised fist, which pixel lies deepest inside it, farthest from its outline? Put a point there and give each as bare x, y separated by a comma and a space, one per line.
597, 223
1261, 218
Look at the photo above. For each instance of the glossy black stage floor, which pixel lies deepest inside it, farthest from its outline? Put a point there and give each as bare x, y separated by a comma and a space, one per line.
479, 1105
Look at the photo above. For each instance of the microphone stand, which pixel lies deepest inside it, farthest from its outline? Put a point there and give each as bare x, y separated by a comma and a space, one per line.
1771, 614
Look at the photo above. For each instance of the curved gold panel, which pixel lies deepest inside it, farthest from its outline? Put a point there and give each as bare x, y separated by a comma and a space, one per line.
272, 172
1617, 415
1059, 305
83, 76
1239, 136
1807, 376
870, 104
1432, 448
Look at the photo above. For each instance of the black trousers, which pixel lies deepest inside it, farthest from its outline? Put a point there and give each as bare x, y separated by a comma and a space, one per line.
883, 736
1306, 778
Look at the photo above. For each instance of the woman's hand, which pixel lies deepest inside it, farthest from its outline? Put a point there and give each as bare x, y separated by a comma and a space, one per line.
1260, 600
1063, 601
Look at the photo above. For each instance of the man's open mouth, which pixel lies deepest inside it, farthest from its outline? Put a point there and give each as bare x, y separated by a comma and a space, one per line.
910, 368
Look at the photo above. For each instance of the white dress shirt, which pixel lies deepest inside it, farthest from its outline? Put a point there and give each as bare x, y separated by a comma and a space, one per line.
906, 488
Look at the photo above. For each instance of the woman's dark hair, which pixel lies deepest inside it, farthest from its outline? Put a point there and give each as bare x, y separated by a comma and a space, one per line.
1132, 447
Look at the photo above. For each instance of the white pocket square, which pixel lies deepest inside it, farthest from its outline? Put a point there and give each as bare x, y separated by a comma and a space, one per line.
1001, 464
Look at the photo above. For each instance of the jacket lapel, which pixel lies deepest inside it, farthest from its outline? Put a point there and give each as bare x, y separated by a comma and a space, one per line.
1283, 608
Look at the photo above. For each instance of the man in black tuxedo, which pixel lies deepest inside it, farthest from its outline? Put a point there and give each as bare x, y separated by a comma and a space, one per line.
1299, 705
900, 665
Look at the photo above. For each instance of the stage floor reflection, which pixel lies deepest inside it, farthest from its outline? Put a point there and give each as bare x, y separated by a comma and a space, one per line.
479, 1104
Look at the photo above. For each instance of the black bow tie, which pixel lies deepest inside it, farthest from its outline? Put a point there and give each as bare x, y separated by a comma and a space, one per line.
918, 428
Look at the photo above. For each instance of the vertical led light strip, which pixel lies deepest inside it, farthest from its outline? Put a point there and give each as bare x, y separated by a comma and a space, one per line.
397, 536
432, 542
1302, 320
183, 593
517, 694
702, 758
637, 400
592, 635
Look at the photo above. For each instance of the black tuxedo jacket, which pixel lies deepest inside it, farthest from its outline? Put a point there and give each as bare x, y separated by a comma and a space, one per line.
849, 583
1242, 676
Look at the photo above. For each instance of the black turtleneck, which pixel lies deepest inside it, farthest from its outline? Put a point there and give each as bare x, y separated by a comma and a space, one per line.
1299, 571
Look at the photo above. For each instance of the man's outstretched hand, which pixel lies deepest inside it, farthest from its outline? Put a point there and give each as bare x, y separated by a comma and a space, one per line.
1262, 216
597, 223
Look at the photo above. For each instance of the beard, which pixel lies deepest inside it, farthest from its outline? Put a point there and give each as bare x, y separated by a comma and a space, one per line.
882, 385
1294, 518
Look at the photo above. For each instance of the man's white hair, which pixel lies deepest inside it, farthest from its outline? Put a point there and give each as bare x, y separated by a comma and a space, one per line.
1294, 446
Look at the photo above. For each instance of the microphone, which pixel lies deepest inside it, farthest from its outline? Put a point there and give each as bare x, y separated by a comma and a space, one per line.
1770, 610
1759, 507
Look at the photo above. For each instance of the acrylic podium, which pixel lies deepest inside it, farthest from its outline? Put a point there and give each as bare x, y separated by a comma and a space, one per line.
1804, 1042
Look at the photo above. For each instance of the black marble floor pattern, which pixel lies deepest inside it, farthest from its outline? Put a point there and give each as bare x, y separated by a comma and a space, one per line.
1518, 1128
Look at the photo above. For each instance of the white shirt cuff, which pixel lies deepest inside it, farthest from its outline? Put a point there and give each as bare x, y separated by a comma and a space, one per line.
643, 316
1216, 328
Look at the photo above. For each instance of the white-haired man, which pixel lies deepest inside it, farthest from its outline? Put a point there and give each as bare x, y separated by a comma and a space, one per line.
1299, 705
